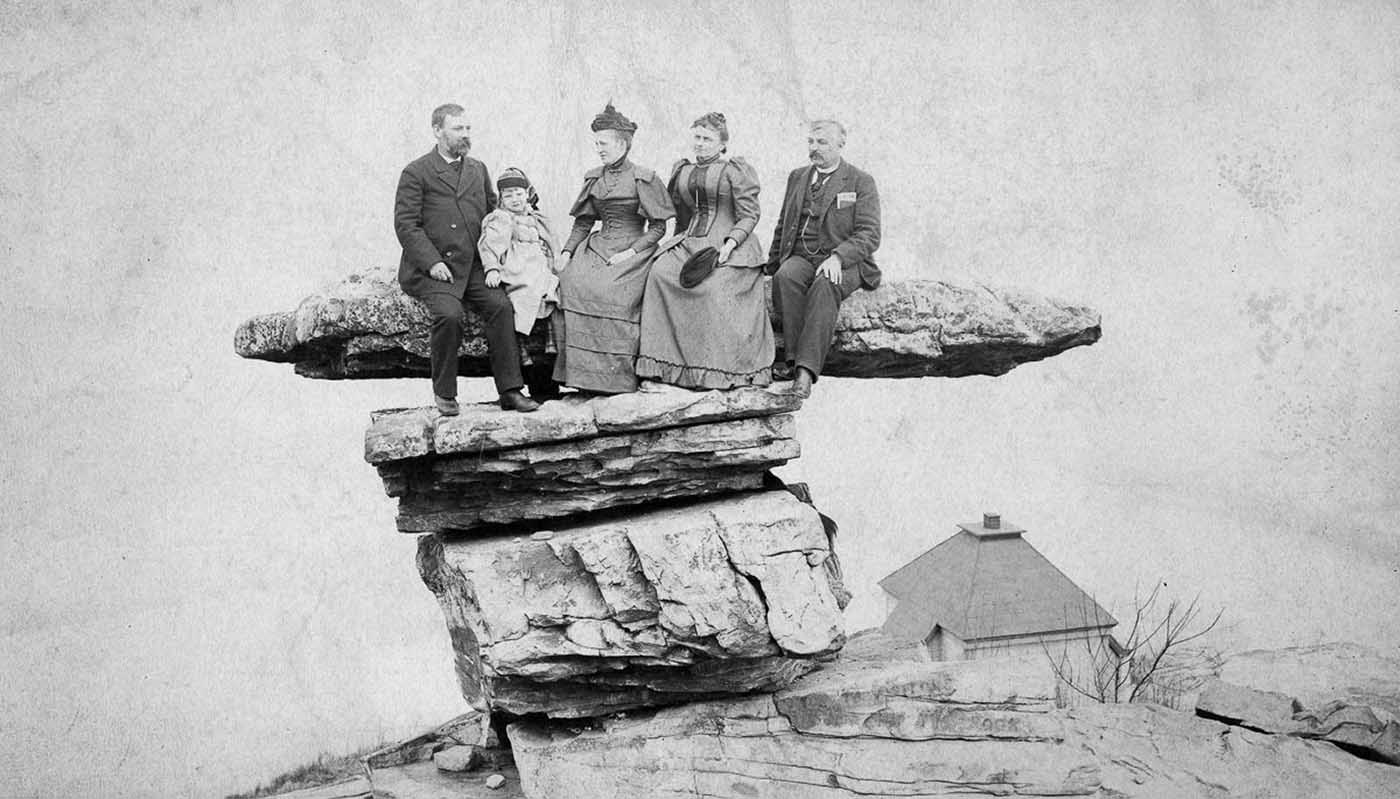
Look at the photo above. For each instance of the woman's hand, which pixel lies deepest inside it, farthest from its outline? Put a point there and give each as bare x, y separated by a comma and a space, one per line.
493, 278
622, 256
726, 249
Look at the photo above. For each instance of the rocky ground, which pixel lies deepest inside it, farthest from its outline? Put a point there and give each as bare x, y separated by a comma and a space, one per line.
879, 720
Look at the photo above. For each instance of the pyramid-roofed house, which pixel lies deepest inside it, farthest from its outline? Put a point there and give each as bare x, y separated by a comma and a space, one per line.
986, 591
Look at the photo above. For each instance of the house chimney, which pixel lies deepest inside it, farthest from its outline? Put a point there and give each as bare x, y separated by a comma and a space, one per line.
992, 527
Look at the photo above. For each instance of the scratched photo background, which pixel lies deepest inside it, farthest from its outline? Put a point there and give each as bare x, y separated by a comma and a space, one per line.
200, 580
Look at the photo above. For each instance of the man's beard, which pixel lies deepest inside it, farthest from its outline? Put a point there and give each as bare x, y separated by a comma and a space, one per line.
463, 147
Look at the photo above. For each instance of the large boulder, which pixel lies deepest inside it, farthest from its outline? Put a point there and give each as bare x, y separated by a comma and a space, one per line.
365, 327
712, 598
1354, 727
879, 721
489, 467
1322, 673
1341, 692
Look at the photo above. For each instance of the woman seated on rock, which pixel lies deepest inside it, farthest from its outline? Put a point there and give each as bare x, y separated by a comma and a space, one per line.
600, 290
704, 316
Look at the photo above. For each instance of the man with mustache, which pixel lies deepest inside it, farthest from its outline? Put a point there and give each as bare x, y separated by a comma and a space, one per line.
826, 232
441, 200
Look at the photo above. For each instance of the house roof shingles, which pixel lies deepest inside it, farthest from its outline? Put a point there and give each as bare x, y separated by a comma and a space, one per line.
987, 586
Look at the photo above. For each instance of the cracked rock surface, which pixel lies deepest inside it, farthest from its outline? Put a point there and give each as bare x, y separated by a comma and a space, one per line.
716, 597
1355, 727
879, 721
577, 455
365, 327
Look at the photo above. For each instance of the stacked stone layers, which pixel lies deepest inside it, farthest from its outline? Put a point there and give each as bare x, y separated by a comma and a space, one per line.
366, 327
577, 455
696, 583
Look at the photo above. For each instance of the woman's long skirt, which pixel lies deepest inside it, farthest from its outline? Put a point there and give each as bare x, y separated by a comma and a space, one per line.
716, 335
598, 322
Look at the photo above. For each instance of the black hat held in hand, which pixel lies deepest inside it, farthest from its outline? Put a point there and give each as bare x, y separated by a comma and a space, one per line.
698, 267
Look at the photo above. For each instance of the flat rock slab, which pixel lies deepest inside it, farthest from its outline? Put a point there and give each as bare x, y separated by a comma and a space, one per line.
577, 454
1355, 727
867, 725
366, 327
1323, 673
901, 696
476, 491
354, 788
426, 781
400, 434
715, 597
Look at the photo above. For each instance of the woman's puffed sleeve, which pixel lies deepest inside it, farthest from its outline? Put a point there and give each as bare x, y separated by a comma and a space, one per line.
653, 199
743, 190
677, 195
496, 231
583, 213
583, 225
656, 228
654, 204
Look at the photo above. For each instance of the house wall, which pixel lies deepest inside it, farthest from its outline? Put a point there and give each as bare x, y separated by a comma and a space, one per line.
1083, 658
943, 645
889, 600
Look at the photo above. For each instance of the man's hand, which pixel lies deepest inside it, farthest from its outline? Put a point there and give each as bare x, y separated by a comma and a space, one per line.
493, 278
726, 249
439, 271
831, 270
562, 261
622, 256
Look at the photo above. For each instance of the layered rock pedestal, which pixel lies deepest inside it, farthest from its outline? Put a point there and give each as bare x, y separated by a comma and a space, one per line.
631, 553
611, 553
486, 467
366, 327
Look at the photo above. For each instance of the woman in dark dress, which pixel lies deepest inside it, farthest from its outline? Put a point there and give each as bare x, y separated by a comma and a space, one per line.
716, 334
598, 322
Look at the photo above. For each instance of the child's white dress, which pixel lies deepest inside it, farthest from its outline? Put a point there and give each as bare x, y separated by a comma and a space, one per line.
522, 248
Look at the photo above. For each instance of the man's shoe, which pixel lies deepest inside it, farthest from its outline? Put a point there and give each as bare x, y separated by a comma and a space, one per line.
447, 406
513, 400
782, 372
802, 383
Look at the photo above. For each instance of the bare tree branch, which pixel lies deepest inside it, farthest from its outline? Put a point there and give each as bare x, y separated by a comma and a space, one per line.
1103, 674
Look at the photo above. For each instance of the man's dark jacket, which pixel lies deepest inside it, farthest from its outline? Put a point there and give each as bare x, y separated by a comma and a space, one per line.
437, 216
852, 227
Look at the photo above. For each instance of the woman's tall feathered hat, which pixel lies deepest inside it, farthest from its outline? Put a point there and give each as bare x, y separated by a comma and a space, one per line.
610, 119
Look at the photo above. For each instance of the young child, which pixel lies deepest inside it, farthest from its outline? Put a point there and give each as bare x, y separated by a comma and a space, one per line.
518, 250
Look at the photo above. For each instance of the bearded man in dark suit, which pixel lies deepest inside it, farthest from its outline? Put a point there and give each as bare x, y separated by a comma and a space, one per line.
827, 230
441, 200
